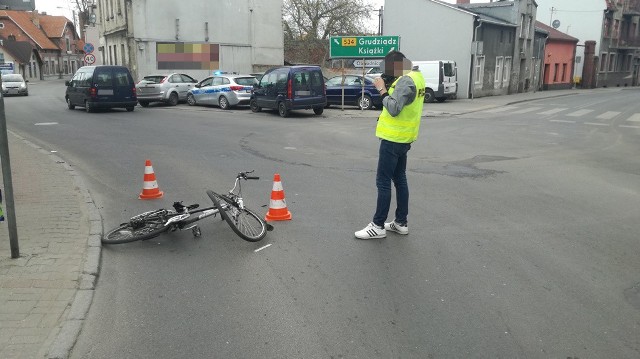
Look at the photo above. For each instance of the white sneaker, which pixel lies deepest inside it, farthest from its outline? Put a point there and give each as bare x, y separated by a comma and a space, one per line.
396, 227
371, 231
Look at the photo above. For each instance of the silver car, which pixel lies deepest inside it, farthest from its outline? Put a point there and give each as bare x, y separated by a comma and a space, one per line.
171, 88
14, 84
222, 90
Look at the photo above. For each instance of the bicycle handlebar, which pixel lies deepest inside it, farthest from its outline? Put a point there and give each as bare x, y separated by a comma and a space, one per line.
243, 175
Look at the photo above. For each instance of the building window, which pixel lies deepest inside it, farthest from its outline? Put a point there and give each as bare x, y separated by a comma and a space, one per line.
612, 62
499, 69
565, 75
556, 71
603, 62
115, 54
506, 72
119, 7
1, 25
122, 53
68, 43
479, 71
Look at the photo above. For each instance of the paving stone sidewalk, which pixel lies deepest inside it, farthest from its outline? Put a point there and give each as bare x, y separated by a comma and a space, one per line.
46, 293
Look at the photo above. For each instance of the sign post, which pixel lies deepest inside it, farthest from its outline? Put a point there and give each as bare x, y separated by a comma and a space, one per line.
360, 47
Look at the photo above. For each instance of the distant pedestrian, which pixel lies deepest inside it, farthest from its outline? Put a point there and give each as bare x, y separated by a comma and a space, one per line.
397, 128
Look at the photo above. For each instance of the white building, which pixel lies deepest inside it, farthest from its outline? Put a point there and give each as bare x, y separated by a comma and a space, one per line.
195, 37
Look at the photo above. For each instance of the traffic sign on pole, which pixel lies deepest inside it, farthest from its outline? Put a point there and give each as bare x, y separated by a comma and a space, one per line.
88, 48
89, 59
360, 47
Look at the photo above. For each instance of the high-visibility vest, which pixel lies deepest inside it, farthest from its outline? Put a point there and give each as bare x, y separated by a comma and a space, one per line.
404, 127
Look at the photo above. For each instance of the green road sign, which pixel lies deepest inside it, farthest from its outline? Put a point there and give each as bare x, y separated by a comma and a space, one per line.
362, 46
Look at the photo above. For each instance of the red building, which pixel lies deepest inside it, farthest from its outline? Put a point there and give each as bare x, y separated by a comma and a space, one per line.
559, 58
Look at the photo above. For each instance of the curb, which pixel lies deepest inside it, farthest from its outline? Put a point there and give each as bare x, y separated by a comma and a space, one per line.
70, 327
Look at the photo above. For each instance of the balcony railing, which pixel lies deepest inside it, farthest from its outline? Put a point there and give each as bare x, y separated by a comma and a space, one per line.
631, 7
629, 42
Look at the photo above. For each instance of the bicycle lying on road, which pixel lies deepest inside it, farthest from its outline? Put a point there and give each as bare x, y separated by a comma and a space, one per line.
244, 222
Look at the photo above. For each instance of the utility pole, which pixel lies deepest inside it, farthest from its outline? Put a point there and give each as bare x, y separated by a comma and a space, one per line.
8, 183
552, 10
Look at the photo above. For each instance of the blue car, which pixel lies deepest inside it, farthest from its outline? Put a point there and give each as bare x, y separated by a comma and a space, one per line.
353, 94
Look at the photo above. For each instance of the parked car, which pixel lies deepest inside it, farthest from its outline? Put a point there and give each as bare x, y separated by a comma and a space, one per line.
168, 88
353, 92
287, 88
104, 86
223, 90
14, 84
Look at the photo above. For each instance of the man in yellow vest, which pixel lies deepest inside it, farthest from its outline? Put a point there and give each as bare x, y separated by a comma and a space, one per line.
397, 128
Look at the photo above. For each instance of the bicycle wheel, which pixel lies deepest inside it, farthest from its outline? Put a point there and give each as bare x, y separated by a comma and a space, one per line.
247, 225
143, 226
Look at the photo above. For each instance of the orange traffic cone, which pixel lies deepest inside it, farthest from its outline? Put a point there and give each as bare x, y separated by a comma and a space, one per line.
277, 206
150, 188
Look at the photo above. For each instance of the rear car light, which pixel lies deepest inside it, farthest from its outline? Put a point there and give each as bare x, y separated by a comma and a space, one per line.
237, 88
163, 80
93, 92
289, 90
135, 94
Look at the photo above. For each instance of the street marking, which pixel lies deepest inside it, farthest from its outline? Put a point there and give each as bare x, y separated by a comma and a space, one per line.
527, 110
608, 115
562, 121
579, 113
596, 124
261, 248
627, 126
552, 111
45, 123
634, 118
501, 109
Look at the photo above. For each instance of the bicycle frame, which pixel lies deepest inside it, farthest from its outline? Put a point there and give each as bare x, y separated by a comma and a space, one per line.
186, 218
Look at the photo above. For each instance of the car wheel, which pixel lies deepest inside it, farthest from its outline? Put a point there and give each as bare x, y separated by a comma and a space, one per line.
173, 99
254, 106
87, 107
318, 110
144, 103
283, 110
130, 109
365, 102
223, 103
191, 100
70, 106
429, 96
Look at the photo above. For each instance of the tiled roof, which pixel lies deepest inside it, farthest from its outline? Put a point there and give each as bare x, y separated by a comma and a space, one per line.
23, 19
53, 26
21, 50
555, 34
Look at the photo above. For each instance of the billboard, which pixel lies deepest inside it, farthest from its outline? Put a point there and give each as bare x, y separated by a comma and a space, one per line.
18, 5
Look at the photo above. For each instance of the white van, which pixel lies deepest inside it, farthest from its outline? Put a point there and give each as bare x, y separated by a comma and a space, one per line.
441, 79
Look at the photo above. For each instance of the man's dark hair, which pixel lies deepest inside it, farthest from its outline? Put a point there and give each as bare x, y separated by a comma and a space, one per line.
394, 55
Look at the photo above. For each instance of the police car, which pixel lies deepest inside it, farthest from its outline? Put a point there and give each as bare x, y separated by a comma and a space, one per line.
224, 90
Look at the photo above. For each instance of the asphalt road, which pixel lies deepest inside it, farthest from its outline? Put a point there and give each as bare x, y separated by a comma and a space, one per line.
524, 233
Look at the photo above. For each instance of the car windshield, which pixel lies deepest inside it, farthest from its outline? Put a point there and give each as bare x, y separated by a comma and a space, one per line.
246, 81
155, 78
12, 78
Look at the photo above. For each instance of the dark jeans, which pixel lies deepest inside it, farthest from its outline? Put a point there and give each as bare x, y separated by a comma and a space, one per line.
392, 165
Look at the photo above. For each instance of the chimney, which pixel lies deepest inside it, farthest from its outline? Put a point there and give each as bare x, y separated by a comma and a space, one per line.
35, 18
460, 2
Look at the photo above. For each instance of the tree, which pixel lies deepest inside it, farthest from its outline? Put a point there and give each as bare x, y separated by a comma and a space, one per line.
308, 24
83, 8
